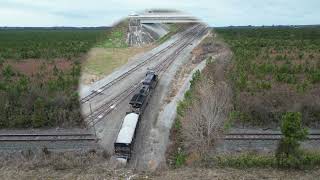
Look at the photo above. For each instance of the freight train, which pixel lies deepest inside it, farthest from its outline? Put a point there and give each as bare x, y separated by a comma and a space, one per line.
123, 145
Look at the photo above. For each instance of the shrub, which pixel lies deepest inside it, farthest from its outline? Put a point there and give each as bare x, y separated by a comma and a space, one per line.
266, 68
195, 78
279, 57
39, 117
242, 80
2, 60
314, 76
263, 85
232, 117
301, 55
8, 72
287, 78
180, 158
247, 160
288, 153
302, 87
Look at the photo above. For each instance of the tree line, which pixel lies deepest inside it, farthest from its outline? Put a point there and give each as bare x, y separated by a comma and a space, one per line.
48, 98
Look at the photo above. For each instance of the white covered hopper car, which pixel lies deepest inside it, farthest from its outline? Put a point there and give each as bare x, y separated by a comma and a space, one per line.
124, 143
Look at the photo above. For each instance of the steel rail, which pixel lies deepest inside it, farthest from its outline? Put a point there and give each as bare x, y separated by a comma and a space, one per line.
122, 76
62, 134
105, 109
263, 136
47, 137
318, 134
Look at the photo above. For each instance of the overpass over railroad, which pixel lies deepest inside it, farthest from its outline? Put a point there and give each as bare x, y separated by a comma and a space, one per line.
154, 18
148, 26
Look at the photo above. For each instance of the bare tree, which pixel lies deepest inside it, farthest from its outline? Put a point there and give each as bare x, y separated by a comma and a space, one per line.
204, 120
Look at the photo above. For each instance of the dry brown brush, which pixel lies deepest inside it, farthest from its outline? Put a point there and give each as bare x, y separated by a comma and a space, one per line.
205, 117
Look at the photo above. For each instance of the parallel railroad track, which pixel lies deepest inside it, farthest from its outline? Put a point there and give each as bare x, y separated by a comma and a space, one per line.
106, 108
46, 137
264, 136
122, 76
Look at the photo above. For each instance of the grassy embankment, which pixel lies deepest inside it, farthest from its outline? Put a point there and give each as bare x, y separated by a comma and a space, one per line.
173, 29
114, 51
111, 53
202, 112
40, 70
275, 70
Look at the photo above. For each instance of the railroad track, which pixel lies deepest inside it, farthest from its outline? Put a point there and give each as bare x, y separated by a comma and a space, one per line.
264, 136
160, 68
106, 108
122, 76
46, 137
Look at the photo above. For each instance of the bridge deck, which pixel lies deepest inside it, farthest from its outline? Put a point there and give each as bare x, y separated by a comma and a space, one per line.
164, 18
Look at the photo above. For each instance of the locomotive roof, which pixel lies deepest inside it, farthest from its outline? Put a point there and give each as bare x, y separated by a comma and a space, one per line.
149, 78
128, 127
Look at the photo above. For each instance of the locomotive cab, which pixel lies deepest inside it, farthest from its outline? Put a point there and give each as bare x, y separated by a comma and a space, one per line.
151, 79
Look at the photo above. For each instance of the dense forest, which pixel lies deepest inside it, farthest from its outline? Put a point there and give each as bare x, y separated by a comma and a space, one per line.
39, 74
48, 98
276, 69
47, 44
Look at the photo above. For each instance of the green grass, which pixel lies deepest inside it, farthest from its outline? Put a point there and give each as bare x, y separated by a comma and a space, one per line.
102, 61
47, 44
180, 159
116, 37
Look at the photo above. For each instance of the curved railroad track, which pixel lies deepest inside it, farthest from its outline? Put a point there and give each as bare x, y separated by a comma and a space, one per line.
107, 107
135, 68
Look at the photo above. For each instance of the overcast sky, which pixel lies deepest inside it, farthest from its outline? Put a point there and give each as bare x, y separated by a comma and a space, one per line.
107, 12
